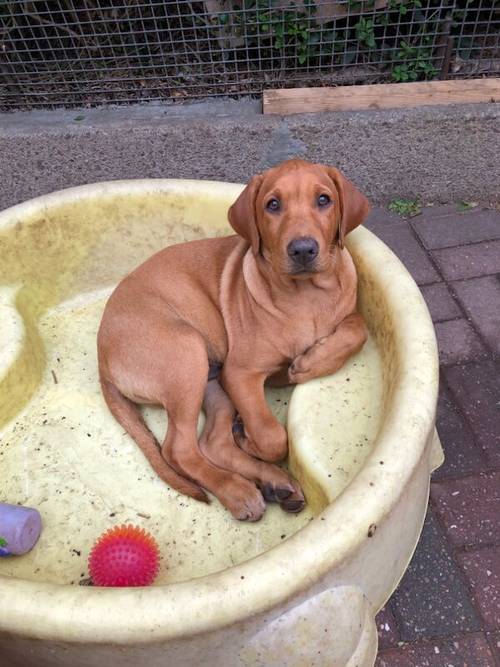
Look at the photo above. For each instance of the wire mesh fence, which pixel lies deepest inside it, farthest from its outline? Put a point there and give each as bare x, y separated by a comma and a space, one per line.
90, 52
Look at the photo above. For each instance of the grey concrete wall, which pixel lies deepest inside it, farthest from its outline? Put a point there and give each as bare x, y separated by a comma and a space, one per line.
440, 154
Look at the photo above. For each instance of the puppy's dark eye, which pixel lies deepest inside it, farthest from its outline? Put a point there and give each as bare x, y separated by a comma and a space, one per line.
273, 205
324, 200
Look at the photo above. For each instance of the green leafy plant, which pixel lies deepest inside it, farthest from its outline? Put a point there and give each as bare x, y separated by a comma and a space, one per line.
403, 74
290, 31
416, 63
292, 35
365, 32
406, 208
404, 6
464, 206
295, 33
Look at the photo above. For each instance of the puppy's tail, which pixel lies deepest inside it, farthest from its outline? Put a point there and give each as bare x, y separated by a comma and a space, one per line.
126, 413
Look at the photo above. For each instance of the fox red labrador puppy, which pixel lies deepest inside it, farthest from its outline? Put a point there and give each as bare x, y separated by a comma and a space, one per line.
208, 323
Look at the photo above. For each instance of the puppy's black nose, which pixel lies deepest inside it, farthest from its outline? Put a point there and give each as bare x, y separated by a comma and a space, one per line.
303, 250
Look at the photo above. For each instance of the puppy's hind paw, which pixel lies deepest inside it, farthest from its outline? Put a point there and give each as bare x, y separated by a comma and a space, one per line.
245, 502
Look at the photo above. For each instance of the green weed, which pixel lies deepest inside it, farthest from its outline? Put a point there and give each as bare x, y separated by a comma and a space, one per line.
406, 208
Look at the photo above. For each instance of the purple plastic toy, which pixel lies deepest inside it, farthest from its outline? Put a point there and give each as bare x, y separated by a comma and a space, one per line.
20, 529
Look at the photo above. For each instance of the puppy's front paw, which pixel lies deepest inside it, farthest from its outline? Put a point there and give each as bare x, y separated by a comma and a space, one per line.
307, 366
299, 370
272, 443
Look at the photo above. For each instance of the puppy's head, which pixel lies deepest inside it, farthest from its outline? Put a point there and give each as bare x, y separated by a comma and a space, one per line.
295, 214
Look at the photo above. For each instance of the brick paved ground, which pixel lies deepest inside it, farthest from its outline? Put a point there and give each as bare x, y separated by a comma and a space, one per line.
446, 611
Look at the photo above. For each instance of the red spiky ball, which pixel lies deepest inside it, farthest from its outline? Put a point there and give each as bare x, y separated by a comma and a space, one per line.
124, 556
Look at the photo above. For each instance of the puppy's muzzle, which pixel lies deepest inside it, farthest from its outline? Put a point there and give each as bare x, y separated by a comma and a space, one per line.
302, 253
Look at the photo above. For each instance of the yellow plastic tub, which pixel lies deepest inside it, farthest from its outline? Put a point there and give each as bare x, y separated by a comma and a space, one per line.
289, 591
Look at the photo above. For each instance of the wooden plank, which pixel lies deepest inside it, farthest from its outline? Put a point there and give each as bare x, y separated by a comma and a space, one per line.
380, 96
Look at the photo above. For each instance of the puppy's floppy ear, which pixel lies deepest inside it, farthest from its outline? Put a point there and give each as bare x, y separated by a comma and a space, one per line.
242, 214
354, 206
